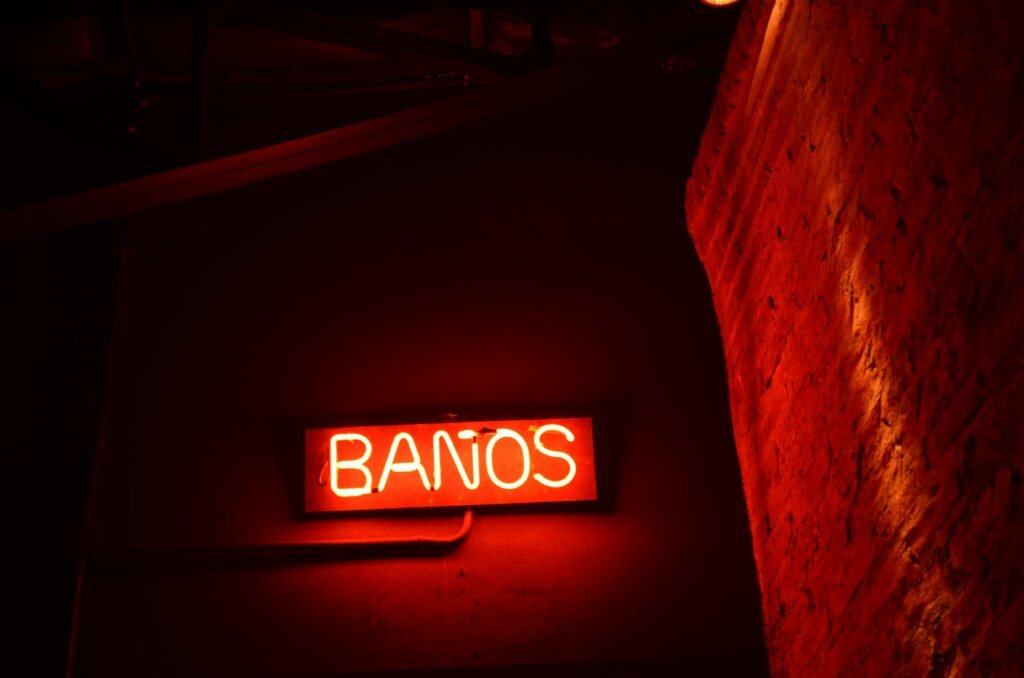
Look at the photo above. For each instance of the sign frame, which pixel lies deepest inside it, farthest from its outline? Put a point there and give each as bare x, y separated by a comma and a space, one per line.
554, 462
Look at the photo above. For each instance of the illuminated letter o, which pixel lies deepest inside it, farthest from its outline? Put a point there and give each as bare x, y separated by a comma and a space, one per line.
508, 433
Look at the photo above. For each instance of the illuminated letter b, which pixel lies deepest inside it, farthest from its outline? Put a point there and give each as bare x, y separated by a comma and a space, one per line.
352, 464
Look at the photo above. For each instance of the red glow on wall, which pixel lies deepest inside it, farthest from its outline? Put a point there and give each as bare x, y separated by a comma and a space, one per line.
524, 461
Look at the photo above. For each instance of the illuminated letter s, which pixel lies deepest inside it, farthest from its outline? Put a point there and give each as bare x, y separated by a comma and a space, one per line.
353, 464
555, 453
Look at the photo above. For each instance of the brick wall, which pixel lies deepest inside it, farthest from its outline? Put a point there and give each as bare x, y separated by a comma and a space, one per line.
857, 205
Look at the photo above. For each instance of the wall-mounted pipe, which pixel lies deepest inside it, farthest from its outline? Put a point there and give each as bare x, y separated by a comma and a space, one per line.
274, 550
279, 550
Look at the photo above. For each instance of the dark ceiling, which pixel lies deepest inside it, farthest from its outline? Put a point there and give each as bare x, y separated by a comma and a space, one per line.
95, 93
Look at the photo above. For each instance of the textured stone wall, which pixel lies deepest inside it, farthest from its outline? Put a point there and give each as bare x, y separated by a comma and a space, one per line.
857, 205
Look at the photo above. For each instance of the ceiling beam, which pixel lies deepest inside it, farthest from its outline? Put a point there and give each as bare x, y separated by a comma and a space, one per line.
167, 188
429, 54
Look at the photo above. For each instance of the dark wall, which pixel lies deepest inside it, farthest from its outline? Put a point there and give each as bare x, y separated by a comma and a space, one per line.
857, 205
56, 298
534, 262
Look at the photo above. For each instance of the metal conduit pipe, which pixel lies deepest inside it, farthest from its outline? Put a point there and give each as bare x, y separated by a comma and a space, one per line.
280, 549
193, 554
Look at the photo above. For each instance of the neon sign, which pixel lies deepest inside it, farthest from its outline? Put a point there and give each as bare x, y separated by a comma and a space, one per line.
523, 461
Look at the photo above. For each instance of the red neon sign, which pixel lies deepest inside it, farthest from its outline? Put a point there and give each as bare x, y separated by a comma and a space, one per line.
524, 461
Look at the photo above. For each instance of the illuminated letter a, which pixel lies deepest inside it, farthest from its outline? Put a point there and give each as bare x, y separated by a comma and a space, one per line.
405, 466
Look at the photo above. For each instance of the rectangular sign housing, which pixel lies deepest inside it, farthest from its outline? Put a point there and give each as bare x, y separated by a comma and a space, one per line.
463, 463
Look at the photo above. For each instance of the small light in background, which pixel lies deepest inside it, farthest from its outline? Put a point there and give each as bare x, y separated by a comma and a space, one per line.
719, 3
